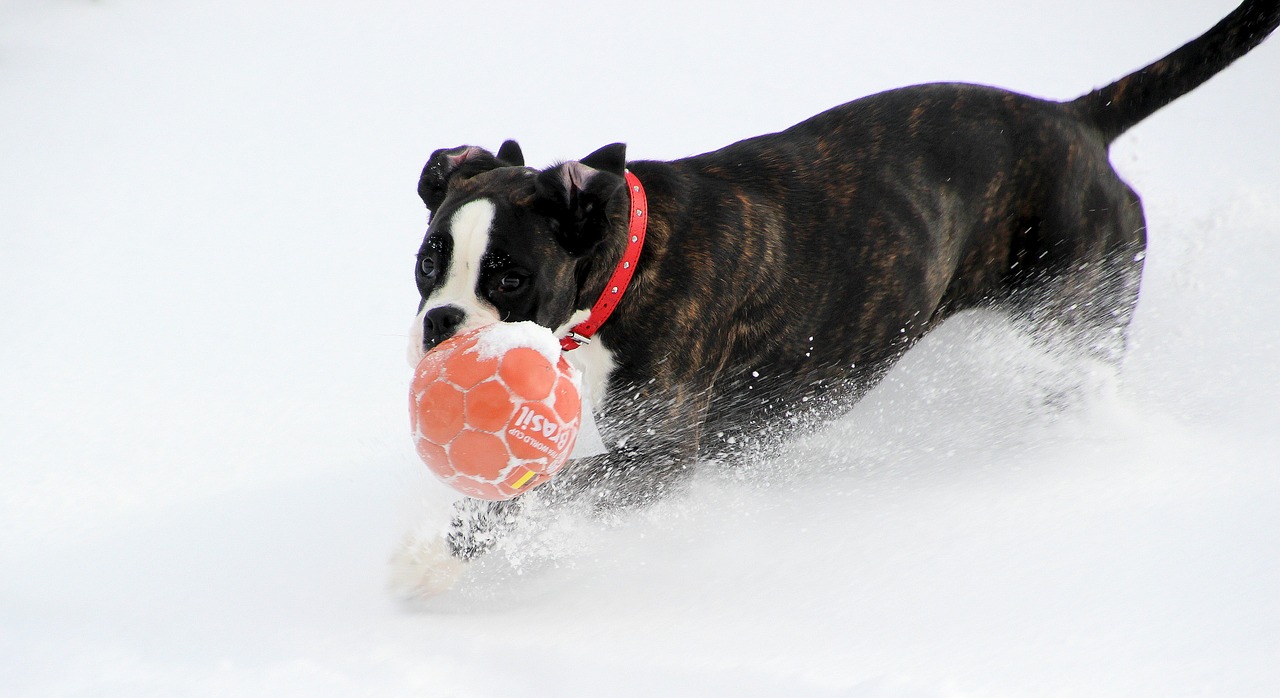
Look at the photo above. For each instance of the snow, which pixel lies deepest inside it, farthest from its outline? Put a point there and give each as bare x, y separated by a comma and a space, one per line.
499, 338
209, 221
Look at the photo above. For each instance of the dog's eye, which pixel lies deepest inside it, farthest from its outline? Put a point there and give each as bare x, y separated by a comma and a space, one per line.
428, 267
510, 281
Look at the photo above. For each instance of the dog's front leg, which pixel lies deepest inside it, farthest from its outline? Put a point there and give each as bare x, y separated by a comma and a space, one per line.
653, 435
431, 561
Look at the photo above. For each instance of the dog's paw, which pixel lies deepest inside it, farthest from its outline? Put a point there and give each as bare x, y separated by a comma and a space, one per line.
423, 568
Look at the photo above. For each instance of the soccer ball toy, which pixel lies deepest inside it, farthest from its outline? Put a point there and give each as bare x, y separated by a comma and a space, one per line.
495, 411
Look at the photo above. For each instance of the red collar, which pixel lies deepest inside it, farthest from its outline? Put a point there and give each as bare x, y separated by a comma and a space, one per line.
612, 293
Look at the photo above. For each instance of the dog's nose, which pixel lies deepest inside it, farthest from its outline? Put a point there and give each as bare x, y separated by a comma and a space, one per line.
439, 324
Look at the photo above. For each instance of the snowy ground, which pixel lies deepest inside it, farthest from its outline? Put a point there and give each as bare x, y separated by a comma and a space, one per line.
207, 220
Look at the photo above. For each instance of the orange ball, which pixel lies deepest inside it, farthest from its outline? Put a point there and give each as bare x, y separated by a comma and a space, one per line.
495, 411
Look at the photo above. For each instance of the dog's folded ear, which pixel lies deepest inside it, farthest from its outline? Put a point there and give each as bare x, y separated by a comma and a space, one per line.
456, 164
575, 196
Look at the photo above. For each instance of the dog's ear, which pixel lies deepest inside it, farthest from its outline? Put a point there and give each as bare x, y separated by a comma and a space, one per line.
612, 159
575, 196
511, 154
453, 165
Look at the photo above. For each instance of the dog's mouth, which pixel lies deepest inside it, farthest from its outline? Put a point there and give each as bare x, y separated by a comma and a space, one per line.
428, 345
433, 326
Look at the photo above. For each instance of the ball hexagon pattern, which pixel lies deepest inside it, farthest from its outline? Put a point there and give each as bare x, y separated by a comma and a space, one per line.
495, 411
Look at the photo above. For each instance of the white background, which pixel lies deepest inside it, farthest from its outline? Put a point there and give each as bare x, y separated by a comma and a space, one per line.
207, 229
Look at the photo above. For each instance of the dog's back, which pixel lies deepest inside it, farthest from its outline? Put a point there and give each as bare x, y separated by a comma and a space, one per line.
842, 239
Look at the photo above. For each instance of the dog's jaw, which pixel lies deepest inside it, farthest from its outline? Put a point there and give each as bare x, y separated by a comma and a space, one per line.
415, 351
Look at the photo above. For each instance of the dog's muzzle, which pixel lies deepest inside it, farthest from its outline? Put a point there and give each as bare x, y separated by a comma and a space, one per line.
440, 324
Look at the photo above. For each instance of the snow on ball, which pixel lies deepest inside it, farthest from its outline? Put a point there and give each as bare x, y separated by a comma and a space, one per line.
495, 411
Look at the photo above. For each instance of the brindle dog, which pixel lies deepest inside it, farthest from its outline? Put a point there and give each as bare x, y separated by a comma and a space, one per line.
796, 265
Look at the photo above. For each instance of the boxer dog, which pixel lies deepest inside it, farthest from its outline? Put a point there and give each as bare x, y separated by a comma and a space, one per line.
789, 271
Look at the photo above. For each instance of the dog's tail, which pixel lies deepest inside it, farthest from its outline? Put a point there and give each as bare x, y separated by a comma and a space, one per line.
1119, 106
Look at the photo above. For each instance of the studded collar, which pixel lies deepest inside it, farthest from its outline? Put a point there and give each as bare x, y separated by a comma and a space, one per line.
617, 285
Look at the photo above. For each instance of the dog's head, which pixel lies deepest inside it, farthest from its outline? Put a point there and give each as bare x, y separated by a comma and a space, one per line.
510, 243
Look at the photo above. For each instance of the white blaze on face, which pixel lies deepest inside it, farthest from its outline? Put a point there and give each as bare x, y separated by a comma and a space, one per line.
470, 229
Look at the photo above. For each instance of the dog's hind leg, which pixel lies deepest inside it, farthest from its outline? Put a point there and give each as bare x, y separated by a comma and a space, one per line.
1076, 273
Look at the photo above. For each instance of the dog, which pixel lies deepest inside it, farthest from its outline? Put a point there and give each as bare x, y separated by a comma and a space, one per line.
789, 271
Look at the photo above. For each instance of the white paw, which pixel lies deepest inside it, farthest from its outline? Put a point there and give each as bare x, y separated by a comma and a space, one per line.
423, 568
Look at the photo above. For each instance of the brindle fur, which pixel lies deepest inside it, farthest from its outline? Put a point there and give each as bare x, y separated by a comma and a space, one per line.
804, 263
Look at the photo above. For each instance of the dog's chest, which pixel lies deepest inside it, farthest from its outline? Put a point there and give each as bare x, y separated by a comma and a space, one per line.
596, 364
